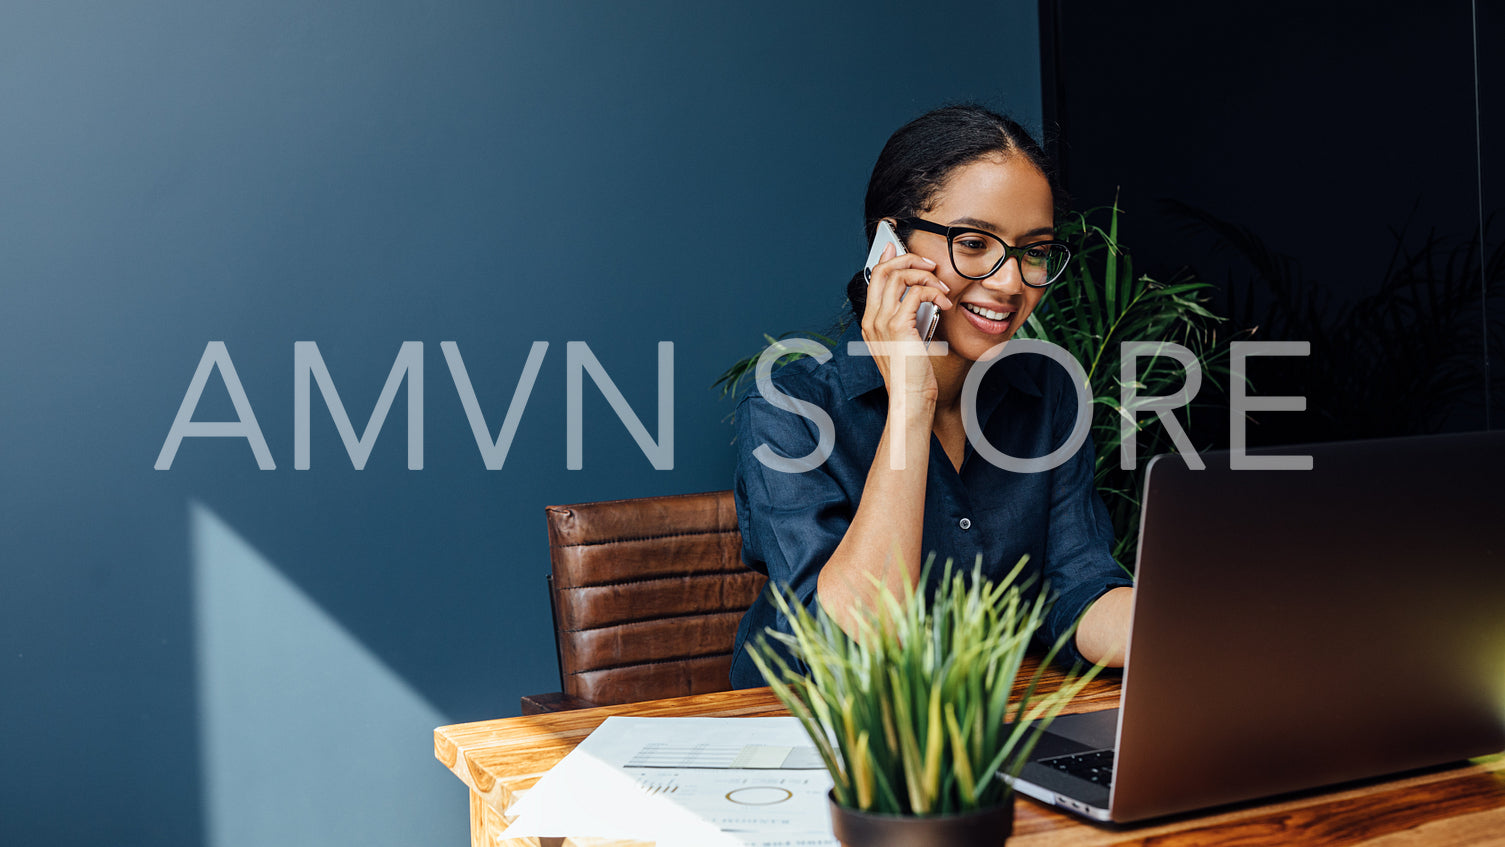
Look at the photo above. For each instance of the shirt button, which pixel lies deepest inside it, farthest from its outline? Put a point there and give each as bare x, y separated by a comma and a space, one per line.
965, 523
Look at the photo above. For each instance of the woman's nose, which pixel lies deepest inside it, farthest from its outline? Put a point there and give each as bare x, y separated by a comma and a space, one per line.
1008, 278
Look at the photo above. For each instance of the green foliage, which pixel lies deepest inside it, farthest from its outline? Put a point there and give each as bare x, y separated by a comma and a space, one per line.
1091, 312
912, 716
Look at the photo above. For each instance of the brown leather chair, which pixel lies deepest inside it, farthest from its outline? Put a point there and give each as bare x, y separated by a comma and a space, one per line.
647, 595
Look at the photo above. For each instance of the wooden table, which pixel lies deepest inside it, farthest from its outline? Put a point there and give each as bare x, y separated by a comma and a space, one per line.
1459, 805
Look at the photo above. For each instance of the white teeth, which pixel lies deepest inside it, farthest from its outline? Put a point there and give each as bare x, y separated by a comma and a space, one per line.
987, 313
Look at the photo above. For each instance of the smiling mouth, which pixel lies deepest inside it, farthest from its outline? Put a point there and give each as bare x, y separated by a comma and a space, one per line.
987, 313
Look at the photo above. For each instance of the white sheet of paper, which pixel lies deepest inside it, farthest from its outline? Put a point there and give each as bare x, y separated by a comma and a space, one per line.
685, 781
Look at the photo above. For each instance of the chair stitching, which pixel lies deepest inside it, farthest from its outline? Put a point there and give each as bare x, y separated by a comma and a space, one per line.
647, 538
702, 614
654, 662
665, 578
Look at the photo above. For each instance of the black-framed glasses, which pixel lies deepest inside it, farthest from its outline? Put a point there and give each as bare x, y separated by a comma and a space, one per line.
978, 255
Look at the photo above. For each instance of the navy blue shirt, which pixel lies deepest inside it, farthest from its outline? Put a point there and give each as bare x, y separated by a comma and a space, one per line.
792, 522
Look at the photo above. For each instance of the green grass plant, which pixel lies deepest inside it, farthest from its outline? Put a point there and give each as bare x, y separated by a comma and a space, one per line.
912, 716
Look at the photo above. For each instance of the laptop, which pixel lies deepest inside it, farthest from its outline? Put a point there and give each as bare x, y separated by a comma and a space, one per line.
1295, 629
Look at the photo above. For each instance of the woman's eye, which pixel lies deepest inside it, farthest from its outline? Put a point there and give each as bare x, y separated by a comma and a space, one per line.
971, 244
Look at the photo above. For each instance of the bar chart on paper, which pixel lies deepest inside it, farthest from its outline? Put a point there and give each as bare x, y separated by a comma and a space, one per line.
723, 756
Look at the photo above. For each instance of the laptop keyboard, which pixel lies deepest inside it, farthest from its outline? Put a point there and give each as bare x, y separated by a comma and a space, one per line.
1094, 766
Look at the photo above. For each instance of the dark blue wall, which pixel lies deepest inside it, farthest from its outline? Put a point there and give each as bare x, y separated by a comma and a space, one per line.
219, 654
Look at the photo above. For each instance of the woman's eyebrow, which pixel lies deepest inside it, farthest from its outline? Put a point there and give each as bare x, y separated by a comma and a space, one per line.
993, 228
975, 222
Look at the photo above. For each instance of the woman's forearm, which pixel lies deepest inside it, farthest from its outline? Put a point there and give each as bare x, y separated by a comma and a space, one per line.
881, 549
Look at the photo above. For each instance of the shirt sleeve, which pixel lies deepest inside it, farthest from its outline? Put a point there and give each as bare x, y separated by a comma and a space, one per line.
791, 522
1079, 563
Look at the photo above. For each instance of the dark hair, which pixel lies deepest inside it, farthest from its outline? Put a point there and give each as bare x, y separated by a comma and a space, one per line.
922, 154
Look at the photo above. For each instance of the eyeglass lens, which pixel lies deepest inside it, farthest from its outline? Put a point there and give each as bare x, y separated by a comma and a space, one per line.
978, 255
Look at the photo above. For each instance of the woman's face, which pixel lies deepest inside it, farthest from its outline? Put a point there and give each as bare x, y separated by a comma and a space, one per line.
1011, 199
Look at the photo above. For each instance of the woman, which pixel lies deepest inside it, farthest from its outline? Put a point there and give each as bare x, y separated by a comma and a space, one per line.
968, 193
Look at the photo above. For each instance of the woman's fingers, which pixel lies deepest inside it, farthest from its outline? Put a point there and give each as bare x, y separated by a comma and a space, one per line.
903, 317
898, 287
884, 272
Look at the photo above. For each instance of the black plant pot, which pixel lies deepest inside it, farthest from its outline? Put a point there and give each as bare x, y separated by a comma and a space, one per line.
984, 828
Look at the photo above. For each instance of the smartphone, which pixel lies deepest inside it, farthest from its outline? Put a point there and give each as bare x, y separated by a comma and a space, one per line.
928, 315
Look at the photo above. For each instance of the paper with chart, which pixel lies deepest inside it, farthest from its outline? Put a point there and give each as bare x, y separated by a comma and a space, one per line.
700, 781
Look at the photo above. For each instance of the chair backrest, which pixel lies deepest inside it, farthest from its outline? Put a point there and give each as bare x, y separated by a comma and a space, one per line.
647, 595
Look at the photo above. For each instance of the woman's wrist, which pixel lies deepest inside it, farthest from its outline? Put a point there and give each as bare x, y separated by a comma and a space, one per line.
912, 408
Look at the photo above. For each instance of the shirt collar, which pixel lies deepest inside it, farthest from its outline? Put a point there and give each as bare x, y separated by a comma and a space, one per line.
860, 374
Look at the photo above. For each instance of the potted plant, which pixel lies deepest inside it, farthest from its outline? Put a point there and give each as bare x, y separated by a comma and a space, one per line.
912, 715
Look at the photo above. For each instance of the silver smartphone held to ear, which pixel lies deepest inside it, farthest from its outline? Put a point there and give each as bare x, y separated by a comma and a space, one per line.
928, 315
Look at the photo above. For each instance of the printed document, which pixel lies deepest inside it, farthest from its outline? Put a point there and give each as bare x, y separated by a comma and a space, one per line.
685, 781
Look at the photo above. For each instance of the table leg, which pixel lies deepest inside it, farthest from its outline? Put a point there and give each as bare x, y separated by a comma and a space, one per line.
486, 826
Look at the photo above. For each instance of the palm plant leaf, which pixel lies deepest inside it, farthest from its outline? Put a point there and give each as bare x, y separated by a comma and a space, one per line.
1092, 311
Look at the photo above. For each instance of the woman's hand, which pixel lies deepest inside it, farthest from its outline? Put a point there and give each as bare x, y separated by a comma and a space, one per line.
898, 286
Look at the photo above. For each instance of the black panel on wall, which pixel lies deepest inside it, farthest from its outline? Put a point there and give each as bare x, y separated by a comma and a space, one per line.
1320, 163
